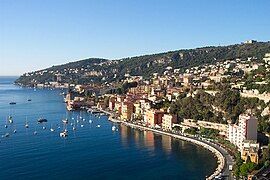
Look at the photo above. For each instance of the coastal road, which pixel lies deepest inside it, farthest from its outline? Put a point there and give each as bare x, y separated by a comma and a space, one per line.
227, 174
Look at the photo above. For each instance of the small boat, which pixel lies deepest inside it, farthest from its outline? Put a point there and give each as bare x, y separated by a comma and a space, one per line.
6, 135
12, 103
82, 125
35, 132
65, 121
52, 130
113, 128
42, 120
98, 126
6, 126
10, 119
43, 127
64, 133
90, 121
74, 128
29, 100
15, 131
71, 124
26, 123
83, 119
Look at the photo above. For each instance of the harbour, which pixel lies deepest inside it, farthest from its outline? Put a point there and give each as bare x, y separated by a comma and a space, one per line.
85, 150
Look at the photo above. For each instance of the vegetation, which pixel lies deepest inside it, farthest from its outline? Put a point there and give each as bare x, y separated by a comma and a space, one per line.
102, 70
192, 131
209, 133
224, 107
241, 168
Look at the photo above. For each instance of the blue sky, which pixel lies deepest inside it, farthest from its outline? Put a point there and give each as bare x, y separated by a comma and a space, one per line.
35, 34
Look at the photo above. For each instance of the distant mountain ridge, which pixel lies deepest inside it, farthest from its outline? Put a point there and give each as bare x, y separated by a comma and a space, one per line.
101, 70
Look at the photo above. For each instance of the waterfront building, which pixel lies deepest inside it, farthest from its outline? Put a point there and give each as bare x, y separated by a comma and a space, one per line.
245, 130
167, 121
153, 117
127, 110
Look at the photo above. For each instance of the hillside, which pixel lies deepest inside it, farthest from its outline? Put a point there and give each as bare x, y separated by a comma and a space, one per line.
97, 70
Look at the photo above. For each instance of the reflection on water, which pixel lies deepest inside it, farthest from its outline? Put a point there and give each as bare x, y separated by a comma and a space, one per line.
145, 139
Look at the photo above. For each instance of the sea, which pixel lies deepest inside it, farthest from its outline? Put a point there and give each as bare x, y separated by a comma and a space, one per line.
92, 151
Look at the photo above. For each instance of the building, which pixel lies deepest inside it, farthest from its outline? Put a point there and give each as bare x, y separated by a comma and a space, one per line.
251, 150
153, 117
267, 58
112, 103
167, 121
245, 130
250, 41
127, 111
222, 128
187, 79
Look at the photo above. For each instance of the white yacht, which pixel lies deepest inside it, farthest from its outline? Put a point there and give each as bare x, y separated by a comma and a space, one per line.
10, 119
65, 121
64, 133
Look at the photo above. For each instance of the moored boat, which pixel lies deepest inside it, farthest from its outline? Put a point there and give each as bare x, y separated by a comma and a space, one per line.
42, 120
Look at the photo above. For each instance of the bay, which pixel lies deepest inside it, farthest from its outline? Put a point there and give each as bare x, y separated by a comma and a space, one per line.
89, 152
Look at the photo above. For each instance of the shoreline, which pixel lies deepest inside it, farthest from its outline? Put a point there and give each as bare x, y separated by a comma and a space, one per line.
217, 153
221, 160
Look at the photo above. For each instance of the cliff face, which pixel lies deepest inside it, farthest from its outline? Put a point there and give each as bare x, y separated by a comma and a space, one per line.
97, 70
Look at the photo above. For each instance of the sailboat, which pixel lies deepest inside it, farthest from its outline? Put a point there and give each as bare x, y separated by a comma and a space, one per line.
15, 130
64, 133
52, 130
26, 124
35, 132
6, 135
65, 121
74, 125
10, 119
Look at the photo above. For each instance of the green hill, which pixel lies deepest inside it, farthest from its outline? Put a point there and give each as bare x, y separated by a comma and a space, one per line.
98, 70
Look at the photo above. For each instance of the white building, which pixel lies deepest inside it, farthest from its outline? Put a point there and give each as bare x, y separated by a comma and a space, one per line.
168, 120
245, 130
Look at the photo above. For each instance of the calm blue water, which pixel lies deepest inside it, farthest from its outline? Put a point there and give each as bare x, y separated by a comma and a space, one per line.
89, 152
